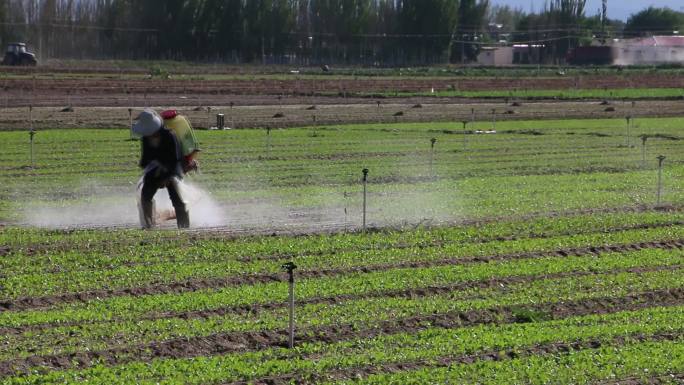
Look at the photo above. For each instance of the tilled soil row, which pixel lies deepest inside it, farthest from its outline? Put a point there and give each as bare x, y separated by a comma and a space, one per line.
304, 86
225, 343
420, 292
337, 112
553, 348
217, 283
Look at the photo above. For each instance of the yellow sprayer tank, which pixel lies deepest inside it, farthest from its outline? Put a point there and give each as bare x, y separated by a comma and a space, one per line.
180, 126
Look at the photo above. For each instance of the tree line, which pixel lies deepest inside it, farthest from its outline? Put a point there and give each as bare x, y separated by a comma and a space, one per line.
313, 32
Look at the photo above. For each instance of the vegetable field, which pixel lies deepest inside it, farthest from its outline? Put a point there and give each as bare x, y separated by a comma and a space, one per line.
539, 252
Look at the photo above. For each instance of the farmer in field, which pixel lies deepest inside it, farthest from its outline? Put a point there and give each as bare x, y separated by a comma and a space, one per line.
163, 163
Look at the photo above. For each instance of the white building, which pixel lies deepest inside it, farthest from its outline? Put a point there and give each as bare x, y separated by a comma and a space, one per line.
652, 50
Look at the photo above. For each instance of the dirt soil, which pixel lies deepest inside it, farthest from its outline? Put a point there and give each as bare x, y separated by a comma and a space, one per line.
255, 112
104, 102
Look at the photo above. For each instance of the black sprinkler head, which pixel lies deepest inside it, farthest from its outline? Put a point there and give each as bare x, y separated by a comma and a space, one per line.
289, 267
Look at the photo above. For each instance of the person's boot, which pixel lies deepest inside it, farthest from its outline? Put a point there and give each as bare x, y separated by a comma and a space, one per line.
182, 217
147, 214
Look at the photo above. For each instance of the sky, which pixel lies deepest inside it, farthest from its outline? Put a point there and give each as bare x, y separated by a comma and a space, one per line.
617, 9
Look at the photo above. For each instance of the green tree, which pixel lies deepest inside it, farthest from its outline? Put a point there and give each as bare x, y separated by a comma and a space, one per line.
337, 26
267, 27
3, 20
471, 22
427, 26
654, 21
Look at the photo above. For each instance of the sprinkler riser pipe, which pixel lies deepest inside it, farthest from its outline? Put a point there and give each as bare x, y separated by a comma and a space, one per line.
290, 267
660, 178
291, 311
365, 182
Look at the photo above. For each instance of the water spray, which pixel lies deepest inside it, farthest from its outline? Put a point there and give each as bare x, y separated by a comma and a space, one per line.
290, 268
661, 159
365, 182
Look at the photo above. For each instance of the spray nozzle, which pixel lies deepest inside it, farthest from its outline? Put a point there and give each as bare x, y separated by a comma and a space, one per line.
365, 174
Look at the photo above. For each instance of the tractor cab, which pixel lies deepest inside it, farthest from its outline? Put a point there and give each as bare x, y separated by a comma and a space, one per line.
16, 48
17, 55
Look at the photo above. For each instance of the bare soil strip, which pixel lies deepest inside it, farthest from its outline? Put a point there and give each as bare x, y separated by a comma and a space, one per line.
225, 343
554, 348
312, 86
107, 112
217, 283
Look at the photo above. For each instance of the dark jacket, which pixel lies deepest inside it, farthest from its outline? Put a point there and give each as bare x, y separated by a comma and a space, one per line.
167, 154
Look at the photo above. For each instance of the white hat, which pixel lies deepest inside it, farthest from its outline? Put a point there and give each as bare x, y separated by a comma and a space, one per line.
148, 123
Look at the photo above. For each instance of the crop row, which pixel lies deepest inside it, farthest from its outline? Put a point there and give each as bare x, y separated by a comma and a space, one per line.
470, 198
71, 278
95, 249
345, 140
612, 333
643, 360
126, 321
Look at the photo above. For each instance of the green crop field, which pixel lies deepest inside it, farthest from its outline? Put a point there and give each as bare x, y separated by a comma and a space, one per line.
526, 252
